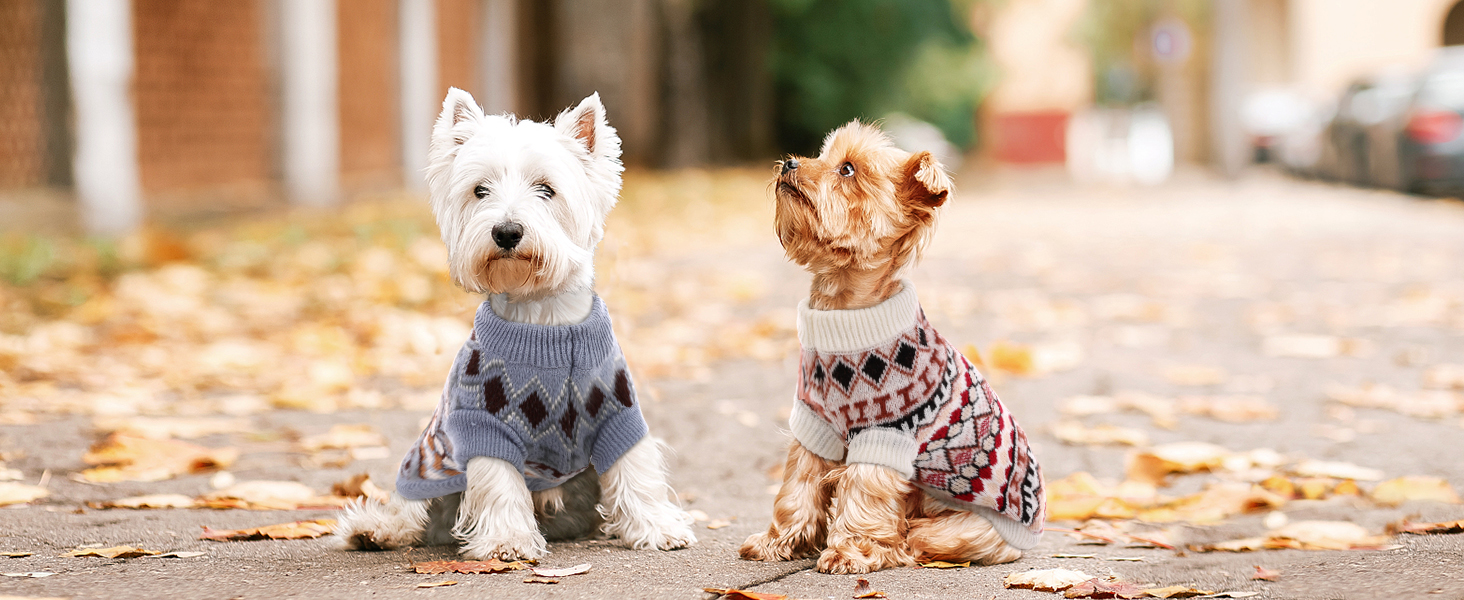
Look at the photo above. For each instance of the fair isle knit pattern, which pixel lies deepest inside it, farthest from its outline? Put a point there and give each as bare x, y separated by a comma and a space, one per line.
550, 400
880, 386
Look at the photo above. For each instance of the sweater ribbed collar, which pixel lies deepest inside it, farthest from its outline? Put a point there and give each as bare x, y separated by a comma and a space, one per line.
585, 343
858, 329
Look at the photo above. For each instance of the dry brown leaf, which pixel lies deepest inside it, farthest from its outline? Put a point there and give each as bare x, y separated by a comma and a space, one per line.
146, 502
1336, 470
1264, 574
359, 486
1045, 580
735, 594
344, 437
1446, 377
1305, 535
113, 552
1417, 487
1216, 503
563, 571
438, 567
862, 590
16, 554
1077, 434
435, 584
1103, 588
1195, 375
1011, 357
120, 457
20, 493
1231, 409
161, 428
540, 579
1156, 464
179, 554
1173, 591
1423, 404
268, 495
297, 530
1406, 526
1162, 411
718, 523
940, 564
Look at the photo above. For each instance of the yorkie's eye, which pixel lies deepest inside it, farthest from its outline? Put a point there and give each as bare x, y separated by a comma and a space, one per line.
847, 170
544, 191
481, 192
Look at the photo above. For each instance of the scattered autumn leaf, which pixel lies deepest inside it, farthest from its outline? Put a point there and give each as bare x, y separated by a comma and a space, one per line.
540, 579
162, 428
1161, 411
563, 571
120, 457
16, 554
1336, 470
297, 530
1045, 580
146, 502
438, 567
1195, 375
113, 552
344, 437
718, 523
1305, 535
1264, 574
735, 594
20, 493
863, 590
179, 554
359, 486
1156, 464
1077, 434
1103, 588
940, 564
1406, 526
268, 495
1231, 408
435, 584
1403, 489
1174, 591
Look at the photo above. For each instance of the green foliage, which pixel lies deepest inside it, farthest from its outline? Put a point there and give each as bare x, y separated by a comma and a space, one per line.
26, 259
838, 60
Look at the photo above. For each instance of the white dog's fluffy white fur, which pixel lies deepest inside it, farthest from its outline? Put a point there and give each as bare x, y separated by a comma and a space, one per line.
521, 206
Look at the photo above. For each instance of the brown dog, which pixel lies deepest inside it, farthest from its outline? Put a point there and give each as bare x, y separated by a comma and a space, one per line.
901, 453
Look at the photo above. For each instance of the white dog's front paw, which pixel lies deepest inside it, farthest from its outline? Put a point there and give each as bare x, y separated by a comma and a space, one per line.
517, 546
666, 529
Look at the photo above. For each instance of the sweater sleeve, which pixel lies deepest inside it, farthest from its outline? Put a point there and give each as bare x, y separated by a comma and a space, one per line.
887, 446
814, 433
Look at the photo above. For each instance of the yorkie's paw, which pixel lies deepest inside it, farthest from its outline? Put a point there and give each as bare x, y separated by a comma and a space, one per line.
839, 561
765, 547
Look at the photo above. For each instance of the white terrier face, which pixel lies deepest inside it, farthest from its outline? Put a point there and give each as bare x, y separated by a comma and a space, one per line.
522, 204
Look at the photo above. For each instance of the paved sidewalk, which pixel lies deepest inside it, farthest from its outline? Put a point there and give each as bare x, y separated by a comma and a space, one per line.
1197, 272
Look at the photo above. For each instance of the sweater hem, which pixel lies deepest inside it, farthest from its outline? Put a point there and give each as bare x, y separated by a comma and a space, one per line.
886, 447
427, 489
1013, 532
616, 437
466, 428
814, 434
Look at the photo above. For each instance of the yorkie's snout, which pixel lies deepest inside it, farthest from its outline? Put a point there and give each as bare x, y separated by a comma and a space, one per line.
789, 165
508, 234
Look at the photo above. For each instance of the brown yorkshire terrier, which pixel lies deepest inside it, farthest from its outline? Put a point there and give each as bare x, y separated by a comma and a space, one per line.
901, 452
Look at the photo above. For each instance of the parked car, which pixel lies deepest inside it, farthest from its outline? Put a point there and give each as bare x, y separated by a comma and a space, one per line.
1431, 144
1361, 142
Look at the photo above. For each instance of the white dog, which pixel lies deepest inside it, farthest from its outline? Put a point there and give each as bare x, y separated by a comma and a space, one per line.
540, 392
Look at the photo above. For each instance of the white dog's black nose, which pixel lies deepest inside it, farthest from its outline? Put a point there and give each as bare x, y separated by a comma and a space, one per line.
507, 234
790, 164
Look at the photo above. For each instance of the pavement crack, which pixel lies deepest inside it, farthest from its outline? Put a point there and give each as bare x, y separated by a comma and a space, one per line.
776, 578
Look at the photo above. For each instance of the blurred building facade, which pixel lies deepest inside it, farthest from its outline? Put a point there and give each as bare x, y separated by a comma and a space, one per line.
320, 99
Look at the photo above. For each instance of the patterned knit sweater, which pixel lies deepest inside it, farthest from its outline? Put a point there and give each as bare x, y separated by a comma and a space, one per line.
550, 400
878, 385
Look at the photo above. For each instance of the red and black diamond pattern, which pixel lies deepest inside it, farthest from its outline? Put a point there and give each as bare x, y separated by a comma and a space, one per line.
971, 450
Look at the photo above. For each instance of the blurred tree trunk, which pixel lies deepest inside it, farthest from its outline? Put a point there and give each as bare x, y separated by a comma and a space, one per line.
687, 135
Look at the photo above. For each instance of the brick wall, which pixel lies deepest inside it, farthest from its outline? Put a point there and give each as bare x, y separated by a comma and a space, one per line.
370, 124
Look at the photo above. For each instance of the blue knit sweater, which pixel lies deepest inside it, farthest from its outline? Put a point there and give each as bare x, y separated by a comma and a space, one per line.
550, 400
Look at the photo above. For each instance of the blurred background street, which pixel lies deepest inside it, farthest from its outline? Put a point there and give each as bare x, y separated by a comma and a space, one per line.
1207, 251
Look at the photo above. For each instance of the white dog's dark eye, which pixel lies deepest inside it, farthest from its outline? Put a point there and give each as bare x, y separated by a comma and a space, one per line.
481, 192
544, 191
847, 170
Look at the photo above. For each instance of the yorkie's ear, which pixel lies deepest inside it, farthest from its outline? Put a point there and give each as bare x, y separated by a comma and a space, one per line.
925, 181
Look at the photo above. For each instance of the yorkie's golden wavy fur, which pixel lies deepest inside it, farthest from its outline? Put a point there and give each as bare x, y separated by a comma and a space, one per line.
855, 217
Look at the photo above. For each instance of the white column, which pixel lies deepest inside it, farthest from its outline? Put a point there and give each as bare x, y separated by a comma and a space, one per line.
310, 118
99, 55
498, 56
420, 100
1227, 86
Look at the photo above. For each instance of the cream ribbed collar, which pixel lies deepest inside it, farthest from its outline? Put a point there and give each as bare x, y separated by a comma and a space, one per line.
858, 329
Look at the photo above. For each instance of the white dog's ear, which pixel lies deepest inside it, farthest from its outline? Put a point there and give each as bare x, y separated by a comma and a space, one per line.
587, 124
457, 108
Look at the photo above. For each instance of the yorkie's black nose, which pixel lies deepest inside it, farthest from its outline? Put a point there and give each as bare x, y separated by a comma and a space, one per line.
507, 234
790, 164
